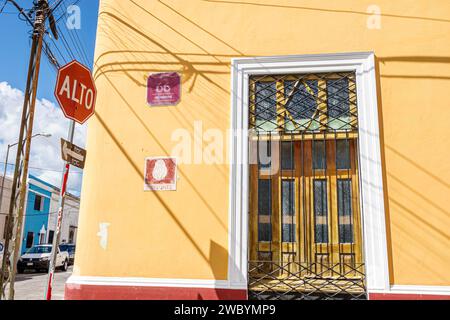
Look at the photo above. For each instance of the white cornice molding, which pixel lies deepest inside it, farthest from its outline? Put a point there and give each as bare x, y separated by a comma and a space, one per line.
415, 290
430, 290
152, 282
308, 58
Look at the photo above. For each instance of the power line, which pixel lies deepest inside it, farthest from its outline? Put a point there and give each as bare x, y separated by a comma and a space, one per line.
71, 207
3, 6
44, 214
65, 13
56, 5
70, 47
71, 39
27, 18
66, 44
59, 52
77, 41
42, 169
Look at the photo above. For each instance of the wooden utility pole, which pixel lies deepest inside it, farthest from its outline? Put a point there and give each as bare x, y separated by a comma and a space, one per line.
19, 186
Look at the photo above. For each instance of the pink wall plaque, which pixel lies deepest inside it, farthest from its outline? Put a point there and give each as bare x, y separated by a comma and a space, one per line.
164, 89
160, 174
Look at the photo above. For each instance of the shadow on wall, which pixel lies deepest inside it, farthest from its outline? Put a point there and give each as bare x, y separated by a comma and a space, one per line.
413, 59
206, 65
278, 6
190, 70
218, 255
440, 233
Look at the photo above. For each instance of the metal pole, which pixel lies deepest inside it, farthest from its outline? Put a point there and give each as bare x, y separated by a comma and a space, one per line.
59, 218
39, 33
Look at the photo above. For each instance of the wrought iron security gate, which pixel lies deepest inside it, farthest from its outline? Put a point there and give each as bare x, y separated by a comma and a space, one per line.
305, 225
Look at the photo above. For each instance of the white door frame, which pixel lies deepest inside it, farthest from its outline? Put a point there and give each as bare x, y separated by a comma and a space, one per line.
371, 182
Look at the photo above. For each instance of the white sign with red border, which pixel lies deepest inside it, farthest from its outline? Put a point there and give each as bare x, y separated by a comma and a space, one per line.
160, 174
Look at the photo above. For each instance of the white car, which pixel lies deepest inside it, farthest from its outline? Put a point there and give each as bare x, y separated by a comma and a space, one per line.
38, 258
1, 259
1, 252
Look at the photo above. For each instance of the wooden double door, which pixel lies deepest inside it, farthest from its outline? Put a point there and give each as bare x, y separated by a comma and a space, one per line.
304, 207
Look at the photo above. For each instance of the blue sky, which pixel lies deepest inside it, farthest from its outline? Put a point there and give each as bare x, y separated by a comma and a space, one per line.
14, 57
45, 161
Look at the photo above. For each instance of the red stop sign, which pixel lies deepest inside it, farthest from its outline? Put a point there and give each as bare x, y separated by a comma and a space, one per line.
75, 91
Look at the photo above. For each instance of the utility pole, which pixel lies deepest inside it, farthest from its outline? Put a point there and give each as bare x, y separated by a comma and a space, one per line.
19, 186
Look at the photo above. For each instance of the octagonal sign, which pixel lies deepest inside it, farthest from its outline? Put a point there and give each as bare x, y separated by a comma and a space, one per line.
75, 91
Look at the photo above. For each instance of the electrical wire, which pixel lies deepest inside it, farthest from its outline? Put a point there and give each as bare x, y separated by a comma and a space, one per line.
72, 47
3, 7
77, 41
42, 169
71, 38
43, 214
56, 4
64, 14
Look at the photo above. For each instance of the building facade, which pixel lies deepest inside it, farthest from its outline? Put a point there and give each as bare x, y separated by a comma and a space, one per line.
41, 211
37, 211
4, 208
42, 203
306, 152
69, 227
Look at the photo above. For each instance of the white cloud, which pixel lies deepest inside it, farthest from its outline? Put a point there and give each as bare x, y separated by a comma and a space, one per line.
45, 152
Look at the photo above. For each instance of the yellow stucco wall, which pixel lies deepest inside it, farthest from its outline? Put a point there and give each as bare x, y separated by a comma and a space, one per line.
183, 234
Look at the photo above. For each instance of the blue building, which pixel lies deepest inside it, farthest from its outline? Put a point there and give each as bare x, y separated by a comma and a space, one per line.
37, 213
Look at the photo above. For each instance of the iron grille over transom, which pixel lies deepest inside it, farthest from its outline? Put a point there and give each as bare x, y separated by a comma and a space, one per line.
305, 225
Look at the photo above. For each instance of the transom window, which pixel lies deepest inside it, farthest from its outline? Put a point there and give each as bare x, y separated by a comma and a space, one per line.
304, 103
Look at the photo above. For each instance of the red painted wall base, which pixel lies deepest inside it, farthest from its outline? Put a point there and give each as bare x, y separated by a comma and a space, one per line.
399, 296
96, 292
99, 292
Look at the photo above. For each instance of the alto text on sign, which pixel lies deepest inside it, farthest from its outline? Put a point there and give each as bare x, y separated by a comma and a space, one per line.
77, 92
164, 89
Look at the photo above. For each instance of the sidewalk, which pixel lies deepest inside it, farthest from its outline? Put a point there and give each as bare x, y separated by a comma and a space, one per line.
32, 286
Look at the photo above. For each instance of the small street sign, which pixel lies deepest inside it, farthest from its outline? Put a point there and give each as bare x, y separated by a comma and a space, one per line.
72, 154
164, 89
160, 174
75, 91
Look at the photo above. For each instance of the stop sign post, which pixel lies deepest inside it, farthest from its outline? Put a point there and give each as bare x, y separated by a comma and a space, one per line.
75, 91
76, 94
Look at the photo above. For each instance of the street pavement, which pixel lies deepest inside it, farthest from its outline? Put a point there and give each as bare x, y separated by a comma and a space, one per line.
32, 286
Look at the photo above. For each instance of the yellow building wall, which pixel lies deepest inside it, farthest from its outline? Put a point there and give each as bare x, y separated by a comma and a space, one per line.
183, 234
